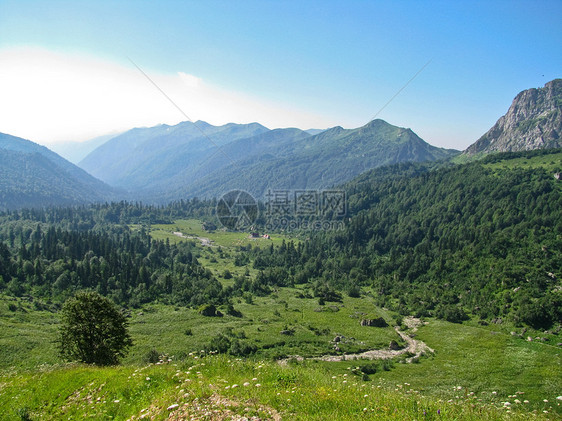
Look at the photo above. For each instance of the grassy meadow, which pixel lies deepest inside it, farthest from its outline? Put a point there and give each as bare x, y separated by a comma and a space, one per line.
550, 162
218, 237
218, 387
476, 373
473, 372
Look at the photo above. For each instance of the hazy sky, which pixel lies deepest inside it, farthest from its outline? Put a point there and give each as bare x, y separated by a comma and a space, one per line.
66, 70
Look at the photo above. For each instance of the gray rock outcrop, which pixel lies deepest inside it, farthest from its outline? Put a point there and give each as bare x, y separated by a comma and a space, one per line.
533, 121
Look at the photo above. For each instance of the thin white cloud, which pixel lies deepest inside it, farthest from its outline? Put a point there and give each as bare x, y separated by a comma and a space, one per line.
190, 80
49, 96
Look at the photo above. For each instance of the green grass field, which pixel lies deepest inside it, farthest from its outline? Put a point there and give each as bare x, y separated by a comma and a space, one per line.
479, 361
32, 333
219, 255
552, 162
483, 361
218, 387
474, 371
164, 327
27, 335
219, 237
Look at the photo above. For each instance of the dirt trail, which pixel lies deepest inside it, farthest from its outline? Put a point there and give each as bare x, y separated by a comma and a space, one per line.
211, 408
204, 241
413, 346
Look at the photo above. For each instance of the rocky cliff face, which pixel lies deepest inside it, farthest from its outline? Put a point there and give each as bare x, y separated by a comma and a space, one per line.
534, 121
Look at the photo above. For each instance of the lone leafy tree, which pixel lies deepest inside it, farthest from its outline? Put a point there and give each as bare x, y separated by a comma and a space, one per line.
93, 330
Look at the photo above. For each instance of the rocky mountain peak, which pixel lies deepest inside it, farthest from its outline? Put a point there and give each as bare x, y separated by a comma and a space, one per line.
533, 121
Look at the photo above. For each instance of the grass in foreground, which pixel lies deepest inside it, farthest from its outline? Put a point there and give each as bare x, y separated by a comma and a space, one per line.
217, 387
479, 360
494, 366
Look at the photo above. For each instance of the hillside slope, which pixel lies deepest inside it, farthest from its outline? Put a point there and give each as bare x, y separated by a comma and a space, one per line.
222, 389
326, 159
149, 157
77, 151
32, 175
533, 121
480, 239
253, 149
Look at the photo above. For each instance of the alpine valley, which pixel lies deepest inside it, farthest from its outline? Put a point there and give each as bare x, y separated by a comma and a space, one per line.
434, 291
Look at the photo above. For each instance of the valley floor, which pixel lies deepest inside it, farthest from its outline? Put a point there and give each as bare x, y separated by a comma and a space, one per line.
474, 373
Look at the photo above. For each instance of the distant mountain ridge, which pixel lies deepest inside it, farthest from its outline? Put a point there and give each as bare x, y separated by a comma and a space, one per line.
331, 157
166, 163
144, 158
533, 121
32, 175
77, 151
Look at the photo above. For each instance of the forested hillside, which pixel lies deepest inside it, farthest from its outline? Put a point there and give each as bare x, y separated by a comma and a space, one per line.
33, 176
52, 253
482, 239
329, 158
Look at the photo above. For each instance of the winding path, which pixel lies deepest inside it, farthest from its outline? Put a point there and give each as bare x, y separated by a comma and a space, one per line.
413, 346
204, 241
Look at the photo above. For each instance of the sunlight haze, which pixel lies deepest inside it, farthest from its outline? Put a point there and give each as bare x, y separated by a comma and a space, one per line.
66, 74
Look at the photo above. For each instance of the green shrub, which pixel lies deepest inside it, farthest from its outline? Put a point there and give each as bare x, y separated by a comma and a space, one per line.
219, 343
209, 310
354, 292
24, 414
241, 348
231, 311
451, 313
152, 356
222, 344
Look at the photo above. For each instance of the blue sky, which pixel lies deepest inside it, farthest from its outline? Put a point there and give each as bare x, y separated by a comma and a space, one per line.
64, 65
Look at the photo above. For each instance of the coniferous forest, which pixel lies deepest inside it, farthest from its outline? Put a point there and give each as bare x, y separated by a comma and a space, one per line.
477, 240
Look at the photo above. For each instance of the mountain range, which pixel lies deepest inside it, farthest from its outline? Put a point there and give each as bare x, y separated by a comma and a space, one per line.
164, 163
145, 158
171, 162
329, 158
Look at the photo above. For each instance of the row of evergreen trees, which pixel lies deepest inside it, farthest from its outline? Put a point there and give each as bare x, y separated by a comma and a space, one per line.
472, 239
476, 239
